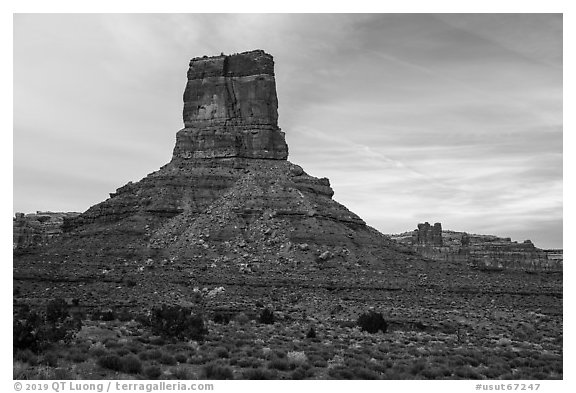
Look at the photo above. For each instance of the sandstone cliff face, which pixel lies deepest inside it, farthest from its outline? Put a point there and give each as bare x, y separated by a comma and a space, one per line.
428, 235
231, 109
480, 251
31, 230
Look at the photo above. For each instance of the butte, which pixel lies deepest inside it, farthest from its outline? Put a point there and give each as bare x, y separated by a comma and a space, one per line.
228, 210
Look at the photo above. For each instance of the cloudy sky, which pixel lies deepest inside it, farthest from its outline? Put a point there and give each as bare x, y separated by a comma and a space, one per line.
412, 117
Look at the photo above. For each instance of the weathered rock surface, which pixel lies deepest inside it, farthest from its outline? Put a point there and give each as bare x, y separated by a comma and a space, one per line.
480, 251
231, 109
428, 235
37, 229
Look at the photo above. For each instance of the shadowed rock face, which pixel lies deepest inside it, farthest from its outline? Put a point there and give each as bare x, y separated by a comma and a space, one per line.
231, 109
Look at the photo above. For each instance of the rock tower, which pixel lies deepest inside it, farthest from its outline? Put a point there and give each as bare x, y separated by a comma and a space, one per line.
228, 207
231, 109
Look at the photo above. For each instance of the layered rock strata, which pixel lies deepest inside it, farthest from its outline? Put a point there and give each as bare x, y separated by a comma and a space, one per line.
37, 229
481, 251
231, 109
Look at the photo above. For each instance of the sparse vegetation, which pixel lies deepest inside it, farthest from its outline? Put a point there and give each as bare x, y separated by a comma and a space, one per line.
131, 364
266, 316
152, 372
35, 330
311, 333
216, 371
111, 362
179, 322
372, 322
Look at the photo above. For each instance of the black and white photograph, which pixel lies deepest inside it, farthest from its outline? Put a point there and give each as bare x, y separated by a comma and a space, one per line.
287, 196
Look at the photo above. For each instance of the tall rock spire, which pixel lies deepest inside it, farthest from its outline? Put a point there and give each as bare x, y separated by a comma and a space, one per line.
231, 109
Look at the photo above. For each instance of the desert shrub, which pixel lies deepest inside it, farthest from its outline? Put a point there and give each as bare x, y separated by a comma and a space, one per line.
221, 352
122, 351
56, 311
26, 356
371, 322
280, 364
50, 359
111, 362
134, 347
97, 349
196, 359
32, 330
78, 356
311, 333
107, 315
417, 367
266, 316
181, 357
131, 364
241, 319
124, 316
182, 373
302, 373
341, 372
130, 283
436, 373
221, 318
26, 325
153, 354
167, 359
112, 342
319, 362
142, 319
493, 372
248, 362
467, 372
296, 358
152, 372
215, 371
364, 373
160, 341
259, 373
458, 360
177, 321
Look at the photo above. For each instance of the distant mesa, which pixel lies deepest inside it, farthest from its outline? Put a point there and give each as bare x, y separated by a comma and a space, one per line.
36, 229
479, 251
